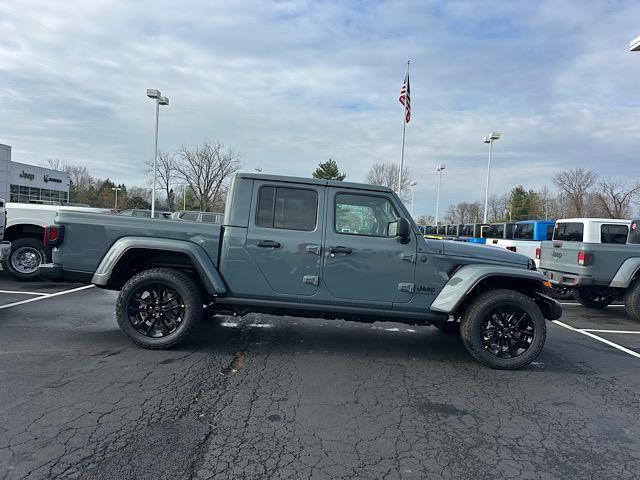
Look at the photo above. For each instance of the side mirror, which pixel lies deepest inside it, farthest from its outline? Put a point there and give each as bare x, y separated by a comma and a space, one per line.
400, 229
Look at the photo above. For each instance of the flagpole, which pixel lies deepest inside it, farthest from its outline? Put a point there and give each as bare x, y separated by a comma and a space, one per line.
404, 129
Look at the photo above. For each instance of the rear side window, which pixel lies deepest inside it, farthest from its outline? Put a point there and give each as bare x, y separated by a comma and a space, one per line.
287, 208
208, 218
614, 233
523, 231
568, 232
496, 231
550, 231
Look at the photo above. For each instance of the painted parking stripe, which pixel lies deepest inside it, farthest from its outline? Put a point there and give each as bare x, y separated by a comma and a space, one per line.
610, 331
18, 292
600, 339
44, 297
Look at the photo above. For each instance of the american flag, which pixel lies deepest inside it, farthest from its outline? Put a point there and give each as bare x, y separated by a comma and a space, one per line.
405, 98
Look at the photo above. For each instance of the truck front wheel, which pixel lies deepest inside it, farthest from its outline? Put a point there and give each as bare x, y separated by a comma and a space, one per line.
503, 329
25, 257
592, 298
158, 308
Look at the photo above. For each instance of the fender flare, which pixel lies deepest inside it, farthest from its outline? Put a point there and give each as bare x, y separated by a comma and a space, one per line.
203, 264
626, 273
467, 277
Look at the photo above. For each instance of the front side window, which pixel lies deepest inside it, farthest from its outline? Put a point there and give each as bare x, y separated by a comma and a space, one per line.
366, 215
190, 216
523, 231
568, 232
287, 208
614, 233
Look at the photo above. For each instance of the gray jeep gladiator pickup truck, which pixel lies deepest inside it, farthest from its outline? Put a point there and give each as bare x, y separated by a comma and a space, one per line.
598, 273
310, 248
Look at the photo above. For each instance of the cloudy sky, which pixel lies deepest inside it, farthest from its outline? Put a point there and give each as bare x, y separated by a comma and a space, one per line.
291, 83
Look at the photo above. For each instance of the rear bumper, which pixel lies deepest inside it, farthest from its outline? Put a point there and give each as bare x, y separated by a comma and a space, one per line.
5, 249
564, 279
56, 273
550, 307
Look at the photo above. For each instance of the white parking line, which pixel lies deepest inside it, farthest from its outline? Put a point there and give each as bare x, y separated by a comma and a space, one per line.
44, 297
600, 339
18, 292
611, 331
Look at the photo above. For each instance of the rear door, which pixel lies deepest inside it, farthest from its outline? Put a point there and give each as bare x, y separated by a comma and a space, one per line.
284, 237
362, 262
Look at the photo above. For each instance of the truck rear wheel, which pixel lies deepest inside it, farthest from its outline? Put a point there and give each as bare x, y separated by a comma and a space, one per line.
158, 308
592, 298
632, 301
25, 257
503, 329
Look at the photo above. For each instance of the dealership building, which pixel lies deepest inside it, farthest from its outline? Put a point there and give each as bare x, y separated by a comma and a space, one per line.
20, 182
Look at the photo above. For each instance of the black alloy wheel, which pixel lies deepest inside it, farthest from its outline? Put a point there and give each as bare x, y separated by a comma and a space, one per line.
156, 310
507, 331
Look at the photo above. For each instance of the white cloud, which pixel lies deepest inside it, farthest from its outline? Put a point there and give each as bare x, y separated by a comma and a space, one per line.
291, 83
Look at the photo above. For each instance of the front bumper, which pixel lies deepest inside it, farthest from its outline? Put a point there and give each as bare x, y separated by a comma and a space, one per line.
563, 279
551, 309
5, 250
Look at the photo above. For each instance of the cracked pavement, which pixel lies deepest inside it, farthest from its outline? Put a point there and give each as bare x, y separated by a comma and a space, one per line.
268, 397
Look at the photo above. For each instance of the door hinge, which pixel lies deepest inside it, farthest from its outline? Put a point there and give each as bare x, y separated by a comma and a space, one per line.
408, 257
311, 280
315, 249
405, 287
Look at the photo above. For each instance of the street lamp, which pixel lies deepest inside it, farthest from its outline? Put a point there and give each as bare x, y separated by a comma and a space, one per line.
412, 185
488, 139
634, 46
160, 100
116, 189
439, 169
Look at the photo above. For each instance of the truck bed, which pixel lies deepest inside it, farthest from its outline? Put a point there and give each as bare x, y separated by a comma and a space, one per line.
559, 262
88, 236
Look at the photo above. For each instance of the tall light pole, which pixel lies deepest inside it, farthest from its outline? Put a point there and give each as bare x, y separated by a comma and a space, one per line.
413, 187
160, 100
439, 169
116, 189
488, 139
634, 45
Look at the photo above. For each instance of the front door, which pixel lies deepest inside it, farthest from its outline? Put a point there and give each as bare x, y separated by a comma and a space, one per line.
285, 236
362, 262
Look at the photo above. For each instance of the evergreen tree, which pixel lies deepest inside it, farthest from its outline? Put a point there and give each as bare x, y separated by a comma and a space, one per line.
328, 171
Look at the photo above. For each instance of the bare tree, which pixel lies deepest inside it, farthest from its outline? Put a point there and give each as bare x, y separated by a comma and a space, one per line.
576, 183
207, 170
498, 207
166, 173
614, 197
424, 220
386, 174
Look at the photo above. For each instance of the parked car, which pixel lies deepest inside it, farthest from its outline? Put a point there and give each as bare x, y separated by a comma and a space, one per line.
499, 231
592, 257
283, 250
527, 237
5, 247
197, 216
25, 230
140, 213
474, 233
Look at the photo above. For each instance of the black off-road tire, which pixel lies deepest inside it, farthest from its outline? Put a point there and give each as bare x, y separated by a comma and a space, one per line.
182, 284
480, 307
449, 327
590, 298
632, 301
20, 246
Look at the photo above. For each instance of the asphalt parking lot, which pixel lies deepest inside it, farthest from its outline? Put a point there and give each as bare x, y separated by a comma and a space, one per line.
267, 397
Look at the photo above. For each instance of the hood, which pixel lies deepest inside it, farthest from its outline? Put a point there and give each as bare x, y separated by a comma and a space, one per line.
484, 252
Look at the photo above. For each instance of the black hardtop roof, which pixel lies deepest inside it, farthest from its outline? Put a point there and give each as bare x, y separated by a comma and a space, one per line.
313, 181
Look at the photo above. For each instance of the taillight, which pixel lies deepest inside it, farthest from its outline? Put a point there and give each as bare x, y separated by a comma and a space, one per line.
584, 258
53, 235
538, 253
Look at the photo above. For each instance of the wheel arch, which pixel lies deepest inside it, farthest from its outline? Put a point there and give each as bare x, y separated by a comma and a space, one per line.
471, 280
24, 230
130, 255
